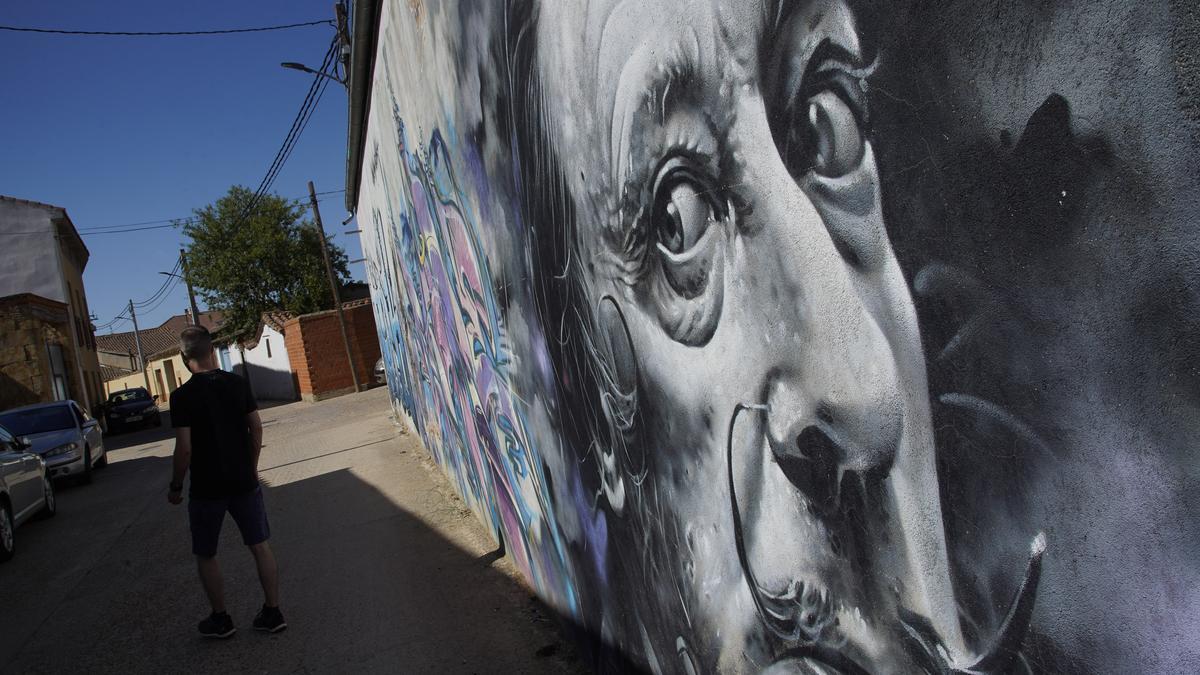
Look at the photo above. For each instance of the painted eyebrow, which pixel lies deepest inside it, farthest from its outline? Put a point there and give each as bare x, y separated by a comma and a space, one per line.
664, 90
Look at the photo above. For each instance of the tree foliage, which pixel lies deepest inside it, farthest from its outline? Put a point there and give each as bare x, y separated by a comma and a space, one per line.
269, 260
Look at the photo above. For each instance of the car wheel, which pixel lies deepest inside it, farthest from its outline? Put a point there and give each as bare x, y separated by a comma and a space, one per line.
86, 477
51, 507
8, 545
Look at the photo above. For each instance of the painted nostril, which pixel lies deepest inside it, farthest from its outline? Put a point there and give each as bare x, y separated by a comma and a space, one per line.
816, 445
813, 467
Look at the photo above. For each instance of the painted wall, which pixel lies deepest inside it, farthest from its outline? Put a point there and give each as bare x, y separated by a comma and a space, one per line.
808, 335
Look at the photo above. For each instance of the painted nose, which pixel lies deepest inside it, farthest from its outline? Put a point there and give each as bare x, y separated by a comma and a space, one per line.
848, 418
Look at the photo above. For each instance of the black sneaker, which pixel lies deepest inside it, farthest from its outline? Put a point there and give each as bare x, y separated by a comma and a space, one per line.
270, 620
217, 626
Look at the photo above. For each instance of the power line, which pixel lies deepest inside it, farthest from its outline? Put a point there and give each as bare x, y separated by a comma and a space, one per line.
163, 33
150, 309
315, 90
169, 222
112, 324
174, 223
157, 294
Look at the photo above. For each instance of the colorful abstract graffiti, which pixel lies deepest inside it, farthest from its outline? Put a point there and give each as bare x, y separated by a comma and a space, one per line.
767, 341
445, 346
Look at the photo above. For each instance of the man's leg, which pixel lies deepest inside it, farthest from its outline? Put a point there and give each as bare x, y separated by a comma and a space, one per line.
214, 585
268, 573
205, 516
250, 513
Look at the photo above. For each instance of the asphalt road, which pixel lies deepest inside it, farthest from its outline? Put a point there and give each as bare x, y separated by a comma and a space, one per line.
382, 568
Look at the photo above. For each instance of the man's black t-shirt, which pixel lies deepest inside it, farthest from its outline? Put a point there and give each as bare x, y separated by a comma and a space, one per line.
214, 404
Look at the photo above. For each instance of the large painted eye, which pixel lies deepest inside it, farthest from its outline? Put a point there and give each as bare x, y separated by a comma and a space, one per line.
823, 136
682, 211
837, 142
686, 223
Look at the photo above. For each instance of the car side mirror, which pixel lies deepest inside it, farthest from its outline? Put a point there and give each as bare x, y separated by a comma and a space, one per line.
24, 443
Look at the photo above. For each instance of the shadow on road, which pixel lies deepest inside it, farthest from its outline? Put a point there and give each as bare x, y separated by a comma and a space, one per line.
109, 586
127, 438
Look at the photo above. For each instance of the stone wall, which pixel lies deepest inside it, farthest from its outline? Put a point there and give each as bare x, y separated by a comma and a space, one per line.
27, 326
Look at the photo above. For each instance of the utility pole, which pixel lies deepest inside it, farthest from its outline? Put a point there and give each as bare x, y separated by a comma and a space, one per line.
137, 340
333, 288
187, 280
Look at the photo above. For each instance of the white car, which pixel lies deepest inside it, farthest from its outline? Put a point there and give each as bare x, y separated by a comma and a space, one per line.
25, 490
66, 437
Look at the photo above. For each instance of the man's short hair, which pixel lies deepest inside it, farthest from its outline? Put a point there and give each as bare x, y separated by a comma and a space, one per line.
195, 342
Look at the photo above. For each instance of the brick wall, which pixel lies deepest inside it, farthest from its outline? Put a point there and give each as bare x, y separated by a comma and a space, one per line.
318, 357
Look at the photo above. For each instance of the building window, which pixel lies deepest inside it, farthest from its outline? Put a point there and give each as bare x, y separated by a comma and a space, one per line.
268, 341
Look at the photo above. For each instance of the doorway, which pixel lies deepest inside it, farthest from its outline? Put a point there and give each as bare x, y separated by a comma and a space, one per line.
162, 392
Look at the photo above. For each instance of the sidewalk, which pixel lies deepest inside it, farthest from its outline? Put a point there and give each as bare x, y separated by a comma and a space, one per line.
382, 568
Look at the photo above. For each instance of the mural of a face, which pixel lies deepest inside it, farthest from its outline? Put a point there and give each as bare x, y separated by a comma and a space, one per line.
765, 335
760, 369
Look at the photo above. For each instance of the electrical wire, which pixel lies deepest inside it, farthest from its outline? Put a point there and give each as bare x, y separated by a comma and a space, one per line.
111, 324
175, 281
315, 91
163, 33
166, 222
173, 274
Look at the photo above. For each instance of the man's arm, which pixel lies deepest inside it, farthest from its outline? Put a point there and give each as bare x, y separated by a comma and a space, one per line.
254, 423
180, 463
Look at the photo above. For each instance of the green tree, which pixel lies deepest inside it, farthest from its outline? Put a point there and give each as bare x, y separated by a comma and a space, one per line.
269, 260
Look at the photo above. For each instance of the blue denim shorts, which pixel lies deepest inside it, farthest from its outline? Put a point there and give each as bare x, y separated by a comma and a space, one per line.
207, 514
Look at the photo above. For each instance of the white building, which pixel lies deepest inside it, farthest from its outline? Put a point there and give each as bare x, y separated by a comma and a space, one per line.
265, 362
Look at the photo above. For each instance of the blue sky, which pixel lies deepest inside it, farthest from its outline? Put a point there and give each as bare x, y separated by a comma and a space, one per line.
131, 129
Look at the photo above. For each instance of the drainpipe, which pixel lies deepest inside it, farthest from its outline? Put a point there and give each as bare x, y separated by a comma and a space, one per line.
362, 71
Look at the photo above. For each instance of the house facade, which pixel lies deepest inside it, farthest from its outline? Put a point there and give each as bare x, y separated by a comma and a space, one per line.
165, 369
264, 361
48, 343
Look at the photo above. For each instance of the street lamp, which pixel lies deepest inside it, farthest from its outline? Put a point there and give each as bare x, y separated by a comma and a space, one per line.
305, 69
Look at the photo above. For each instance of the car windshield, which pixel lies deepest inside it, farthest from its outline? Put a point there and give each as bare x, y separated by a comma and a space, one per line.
129, 396
38, 420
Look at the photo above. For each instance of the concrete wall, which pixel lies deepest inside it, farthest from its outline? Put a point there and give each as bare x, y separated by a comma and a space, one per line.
167, 372
811, 336
31, 252
318, 355
130, 381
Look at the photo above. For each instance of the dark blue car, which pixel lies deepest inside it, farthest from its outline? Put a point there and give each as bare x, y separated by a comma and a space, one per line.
131, 408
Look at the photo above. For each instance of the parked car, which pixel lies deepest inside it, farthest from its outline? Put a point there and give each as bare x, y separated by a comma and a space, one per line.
25, 490
380, 372
65, 436
131, 408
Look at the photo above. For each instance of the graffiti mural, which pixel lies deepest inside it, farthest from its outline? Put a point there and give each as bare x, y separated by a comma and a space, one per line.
816, 336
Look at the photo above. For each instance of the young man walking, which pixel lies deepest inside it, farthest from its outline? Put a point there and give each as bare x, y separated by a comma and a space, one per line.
218, 436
